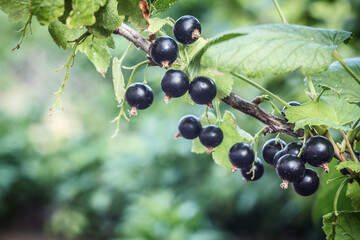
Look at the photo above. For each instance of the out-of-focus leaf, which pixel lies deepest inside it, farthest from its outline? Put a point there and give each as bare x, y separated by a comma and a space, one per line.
353, 193
342, 227
62, 35
47, 11
18, 10
83, 12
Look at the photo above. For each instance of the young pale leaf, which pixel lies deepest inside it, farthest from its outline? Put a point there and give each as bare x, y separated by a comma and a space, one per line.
18, 10
83, 13
130, 9
330, 111
232, 134
353, 193
95, 50
62, 35
156, 24
107, 20
47, 11
336, 77
118, 80
342, 227
275, 48
354, 166
161, 6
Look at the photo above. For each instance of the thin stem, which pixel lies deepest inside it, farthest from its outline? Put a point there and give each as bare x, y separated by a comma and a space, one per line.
338, 194
187, 55
349, 147
312, 88
274, 107
23, 32
245, 79
304, 141
280, 12
145, 73
334, 179
337, 56
217, 105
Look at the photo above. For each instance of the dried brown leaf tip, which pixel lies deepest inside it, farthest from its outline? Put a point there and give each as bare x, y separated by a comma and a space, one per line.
144, 7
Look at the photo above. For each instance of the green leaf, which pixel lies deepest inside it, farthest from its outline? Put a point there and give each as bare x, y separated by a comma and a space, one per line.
325, 196
18, 10
83, 13
354, 166
118, 80
107, 20
232, 134
47, 10
342, 227
95, 50
275, 48
155, 24
353, 193
223, 81
192, 50
130, 9
338, 78
330, 111
62, 35
161, 6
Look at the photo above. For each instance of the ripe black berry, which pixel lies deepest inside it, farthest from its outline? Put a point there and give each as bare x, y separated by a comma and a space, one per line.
258, 171
241, 155
164, 51
293, 103
202, 90
187, 29
277, 156
138, 96
318, 152
189, 127
270, 148
290, 168
174, 83
308, 185
211, 136
293, 148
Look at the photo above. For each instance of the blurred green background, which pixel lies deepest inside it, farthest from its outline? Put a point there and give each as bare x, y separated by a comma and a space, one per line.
63, 177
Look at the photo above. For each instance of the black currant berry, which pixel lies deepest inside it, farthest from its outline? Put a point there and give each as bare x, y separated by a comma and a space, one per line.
211, 136
189, 127
290, 168
293, 148
308, 185
277, 156
318, 152
258, 171
138, 96
270, 148
187, 29
241, 155
174, 83
202, 90
164, 51
293, 103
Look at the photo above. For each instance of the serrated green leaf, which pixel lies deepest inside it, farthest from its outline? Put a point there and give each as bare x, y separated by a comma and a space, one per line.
107, 20
47, 11
353, 193
232, 134
330, 111
354, 166
95, 50
155, 24
18, 10
275, 48
67, 10
83, 12
223, 81
161, 6
130, 9
118, 80
62, 35
192, 50
338, 78
342, 227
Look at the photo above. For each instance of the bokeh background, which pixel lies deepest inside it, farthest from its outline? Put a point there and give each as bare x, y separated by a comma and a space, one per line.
63, 177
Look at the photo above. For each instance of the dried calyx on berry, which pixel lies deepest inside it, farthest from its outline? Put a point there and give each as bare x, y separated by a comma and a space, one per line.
187, 29
139, 96
164, 51
211, 136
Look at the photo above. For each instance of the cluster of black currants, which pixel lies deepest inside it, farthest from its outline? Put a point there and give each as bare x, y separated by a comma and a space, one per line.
175, 83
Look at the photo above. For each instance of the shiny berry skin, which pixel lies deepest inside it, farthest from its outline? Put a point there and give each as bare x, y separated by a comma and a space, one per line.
290, 167
139, 96
164, 51
308, 185
292, 103
317, 151
270, 148
293, 148
202, 90
277, 156
258, 169
189, 127
211, 136
174, 83
187, 29
241, 155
